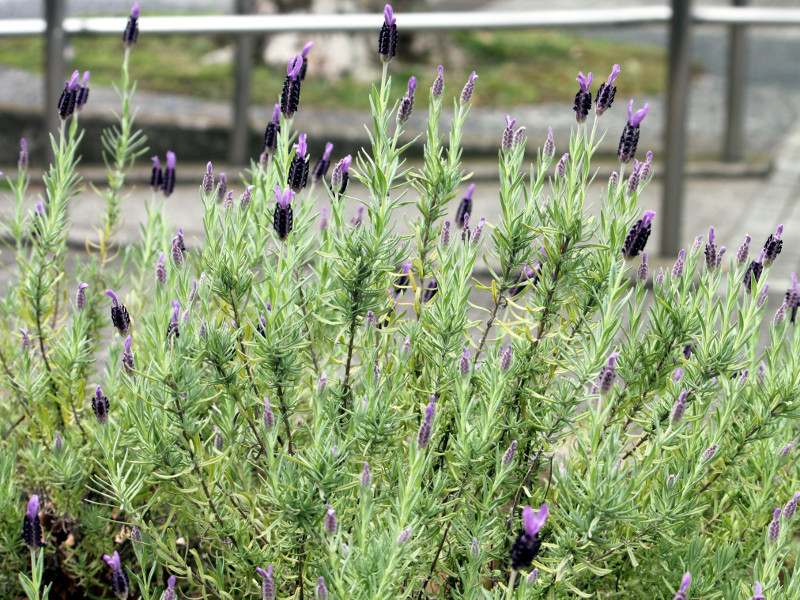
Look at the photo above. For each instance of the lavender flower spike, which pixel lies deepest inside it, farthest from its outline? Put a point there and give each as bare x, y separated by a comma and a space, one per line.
83, 91
774, 530
463, 363
642, 272
677, 269
508, 134
322, 591
80, 296
169, 593
549, 148
119, 578
784, 452
69, 97
31, 525
608, 374
321, 168
173, 328
792, 297
791, 507
465, 207
606, 93
100, 406
637, 236
283, 217
757, 595
23, 158
298, 168
331, 523
508, 457
469, 89
684, 589
340, 176
679, 408
131, 32
630, 135
753, 272
304, 53
290, 95
168, 185
773, 246
208, 179
424, 434
271, 133
119, 314
583, 99
387, 40
526, 546
438, 84
407, 102
268, 586
741, 254
709, 453
127, 357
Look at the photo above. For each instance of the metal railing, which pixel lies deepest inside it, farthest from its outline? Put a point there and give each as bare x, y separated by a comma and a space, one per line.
680, 17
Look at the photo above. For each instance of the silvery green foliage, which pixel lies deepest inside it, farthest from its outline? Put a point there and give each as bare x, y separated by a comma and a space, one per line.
227, 444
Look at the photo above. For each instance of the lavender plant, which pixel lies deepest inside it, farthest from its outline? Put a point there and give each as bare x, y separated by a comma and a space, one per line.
299, 405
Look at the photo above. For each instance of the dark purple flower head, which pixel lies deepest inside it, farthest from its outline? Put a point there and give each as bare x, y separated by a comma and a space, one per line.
131, 32
340, 175
792, 298
290, 95
684, 589
528, 274
773, 246
465, 207
168, 183
605, 380
271, 133
438, 83
80, 296
283, 216
469, 89
119, 314
127, 357
387, 40
637, 236
119, 578
630, 135
298, 168
31, 525
430, 291
100, 406
294, 66
156, 175
304, 53
83, 92
526, 546
606, 93
753, 272
583, 99
268, 585
69, 97
321, 168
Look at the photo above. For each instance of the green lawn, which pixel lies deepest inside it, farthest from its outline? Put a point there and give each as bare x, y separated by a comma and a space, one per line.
515, 67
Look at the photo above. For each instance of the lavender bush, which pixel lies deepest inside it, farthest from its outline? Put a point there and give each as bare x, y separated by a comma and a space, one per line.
300, 405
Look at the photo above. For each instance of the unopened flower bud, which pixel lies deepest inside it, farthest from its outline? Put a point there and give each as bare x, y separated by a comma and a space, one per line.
331, 523
774, 531
508, 457
469, 89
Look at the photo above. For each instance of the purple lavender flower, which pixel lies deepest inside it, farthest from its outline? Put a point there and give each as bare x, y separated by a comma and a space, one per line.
321, 168
272, 131
613, 180
477, 232
322, 591
407, 102
58, 442
762, 298
298, 169
605, 380
173, 329
340, 176
549, 148
406, 348
430, 291
532, 577
676, 377
774, 530
465, 207
646, 172
773, 246
508, 457
684, 589
208, 179
424, 434
528, 274
792, 298
753, 272
222, 189
161, 270
780, 315
131, 32
69, 96
637, 236
469, 89
605, 95
438, 84
641, 274
31, 525
290, 96
100, 406
83, 92
526, 546
176, 253
791, 507
268, 416
679, 408
510, 137
119, 578
168, 185
744, 249
227, 204
633, 180
709, 453
119, 314
127, 357
561, 167
404, 535
784, 452
506, 358
268, 586
464, 367
304, 53
677, 268
247, 196
25, 341
671, 481
444, 238
583, 99
757, 595
387, 41
475, 548
169, 593
156, 175
630, 135
323, 382
23, 159
366, 477
283, 217
331, 523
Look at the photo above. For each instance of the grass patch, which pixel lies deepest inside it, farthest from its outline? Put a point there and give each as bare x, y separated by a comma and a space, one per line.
515, 67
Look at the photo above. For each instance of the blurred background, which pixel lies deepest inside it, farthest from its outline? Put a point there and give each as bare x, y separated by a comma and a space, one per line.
720, 85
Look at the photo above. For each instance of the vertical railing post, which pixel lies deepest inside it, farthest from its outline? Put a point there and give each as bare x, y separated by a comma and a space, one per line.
737, 74
55, 41
239, 151
675, 126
